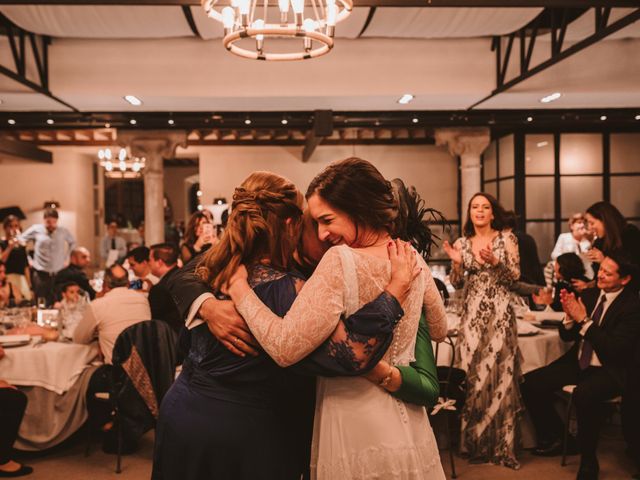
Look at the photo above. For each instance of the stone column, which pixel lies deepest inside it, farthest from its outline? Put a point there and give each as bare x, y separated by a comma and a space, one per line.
468, 144
154, 146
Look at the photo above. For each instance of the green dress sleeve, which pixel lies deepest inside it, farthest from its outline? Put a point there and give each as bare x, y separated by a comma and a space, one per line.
420, 379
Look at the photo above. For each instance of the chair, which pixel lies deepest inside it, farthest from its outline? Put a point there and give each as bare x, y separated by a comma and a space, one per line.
452, 390
569, 389
144, 360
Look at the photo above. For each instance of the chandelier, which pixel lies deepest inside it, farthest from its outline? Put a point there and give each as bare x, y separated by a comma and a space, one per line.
124, 166
249, 25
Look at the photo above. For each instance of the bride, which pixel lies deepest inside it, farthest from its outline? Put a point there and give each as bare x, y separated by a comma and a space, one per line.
360, 431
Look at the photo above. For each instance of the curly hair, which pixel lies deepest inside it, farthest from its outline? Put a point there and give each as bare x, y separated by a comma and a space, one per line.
264, 224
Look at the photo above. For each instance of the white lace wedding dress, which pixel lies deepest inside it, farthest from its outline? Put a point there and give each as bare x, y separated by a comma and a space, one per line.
360, 430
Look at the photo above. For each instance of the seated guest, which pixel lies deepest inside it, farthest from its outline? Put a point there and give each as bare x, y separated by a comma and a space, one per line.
107, 317
10, 296
14, 254
13, 403
78, 261
138, 260
605, 325
113, 242
573, 241
567, 268
71, 308
163, 261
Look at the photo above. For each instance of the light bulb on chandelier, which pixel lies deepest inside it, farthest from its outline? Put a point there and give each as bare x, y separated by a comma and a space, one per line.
310, 33
128, 166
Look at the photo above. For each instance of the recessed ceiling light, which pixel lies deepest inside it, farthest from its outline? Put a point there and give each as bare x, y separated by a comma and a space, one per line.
107, 125
284, 121
415, 120
133, 100
542, 144
50, 121
247, 121
637, 117
529, 119
133, 121
603, 118
170, 121
551, 98
406, 98
11, 121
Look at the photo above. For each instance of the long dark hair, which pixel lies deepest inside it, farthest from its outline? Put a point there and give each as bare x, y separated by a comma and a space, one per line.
570, 266
614, 224
258, 227
357, 188
498, 221
412, 222
190, 236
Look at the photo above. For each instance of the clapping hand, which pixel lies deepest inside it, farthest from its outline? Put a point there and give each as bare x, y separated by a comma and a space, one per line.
404, 269
487, 256
543, 297
573, 306
452, 252
580, 285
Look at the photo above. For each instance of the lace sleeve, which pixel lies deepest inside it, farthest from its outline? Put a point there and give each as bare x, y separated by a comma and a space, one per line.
311, 319
456, 276
358, 343
508, 267
436, 315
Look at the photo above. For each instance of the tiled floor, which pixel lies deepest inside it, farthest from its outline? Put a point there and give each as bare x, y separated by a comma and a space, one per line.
68, 463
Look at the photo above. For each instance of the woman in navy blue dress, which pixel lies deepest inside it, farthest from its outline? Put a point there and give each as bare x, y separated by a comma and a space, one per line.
231, 417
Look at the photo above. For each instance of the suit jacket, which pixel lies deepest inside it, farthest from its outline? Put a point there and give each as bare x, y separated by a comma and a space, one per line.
73, 273
185, 287
616, 337
163, 306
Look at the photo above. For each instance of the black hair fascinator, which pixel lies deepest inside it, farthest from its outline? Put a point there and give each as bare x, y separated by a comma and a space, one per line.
414, 219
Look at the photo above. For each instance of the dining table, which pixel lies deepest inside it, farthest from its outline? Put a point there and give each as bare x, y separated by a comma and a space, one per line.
54, 376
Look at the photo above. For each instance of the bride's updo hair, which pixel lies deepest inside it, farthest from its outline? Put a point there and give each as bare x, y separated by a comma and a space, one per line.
257, 229
357, 188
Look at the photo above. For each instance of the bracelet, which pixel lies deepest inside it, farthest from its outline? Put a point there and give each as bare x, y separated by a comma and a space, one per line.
386, 380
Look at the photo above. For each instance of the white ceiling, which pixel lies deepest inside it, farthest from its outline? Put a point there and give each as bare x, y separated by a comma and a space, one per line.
443, 56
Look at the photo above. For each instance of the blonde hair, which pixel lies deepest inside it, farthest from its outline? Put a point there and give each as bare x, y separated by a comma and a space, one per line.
257, 228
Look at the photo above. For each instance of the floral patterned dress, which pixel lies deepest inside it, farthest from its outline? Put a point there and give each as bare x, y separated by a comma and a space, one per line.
487, 350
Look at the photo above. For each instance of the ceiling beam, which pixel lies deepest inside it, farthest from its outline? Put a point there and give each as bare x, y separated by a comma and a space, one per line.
25, 150
557, 54
363, 3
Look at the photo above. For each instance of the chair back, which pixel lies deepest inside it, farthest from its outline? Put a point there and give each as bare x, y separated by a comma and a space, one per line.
451, 379
144, 357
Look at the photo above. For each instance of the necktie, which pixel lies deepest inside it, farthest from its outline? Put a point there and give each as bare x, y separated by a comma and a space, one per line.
113, 243
587, 349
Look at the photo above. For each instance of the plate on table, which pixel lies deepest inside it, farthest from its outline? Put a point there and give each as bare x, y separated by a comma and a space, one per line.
8, 341
526, 329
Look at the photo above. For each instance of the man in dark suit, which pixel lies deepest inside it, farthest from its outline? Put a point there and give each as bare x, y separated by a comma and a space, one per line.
163, 262
605, 324
74, 272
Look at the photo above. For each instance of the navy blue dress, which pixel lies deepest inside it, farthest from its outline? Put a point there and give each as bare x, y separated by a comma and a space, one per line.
228, 417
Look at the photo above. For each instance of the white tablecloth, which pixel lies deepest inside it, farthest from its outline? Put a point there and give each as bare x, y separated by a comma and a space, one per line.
54, 366
537, 350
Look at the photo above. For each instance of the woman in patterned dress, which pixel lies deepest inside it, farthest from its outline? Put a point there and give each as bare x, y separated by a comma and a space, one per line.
485, 260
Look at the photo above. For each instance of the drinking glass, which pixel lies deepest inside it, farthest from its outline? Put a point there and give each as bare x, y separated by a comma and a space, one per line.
42, 303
